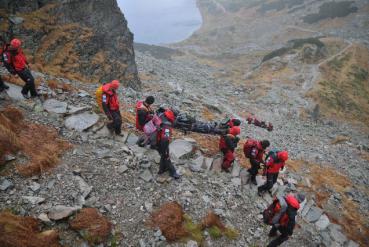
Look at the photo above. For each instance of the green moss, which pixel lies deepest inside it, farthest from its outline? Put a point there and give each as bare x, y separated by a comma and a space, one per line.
215, 232
231, 233
193, 229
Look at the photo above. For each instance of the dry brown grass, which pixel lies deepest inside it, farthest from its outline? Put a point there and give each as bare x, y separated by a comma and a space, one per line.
46, 155
340, 139
146, 77
17, 231
93, 226
169, 218
9, 128
211, 219
325, 179
40, 144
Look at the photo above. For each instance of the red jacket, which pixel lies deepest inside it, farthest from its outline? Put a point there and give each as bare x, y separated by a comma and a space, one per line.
257, 152
227, 142
280, 212
110, 98
274, 166
19, 61
143, 114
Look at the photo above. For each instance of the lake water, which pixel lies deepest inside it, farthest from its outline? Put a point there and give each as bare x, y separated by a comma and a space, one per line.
161, 21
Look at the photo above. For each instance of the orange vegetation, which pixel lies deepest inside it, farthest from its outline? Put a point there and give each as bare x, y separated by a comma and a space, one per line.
210, 220
17, 231
40, 144
169, 218
93, 227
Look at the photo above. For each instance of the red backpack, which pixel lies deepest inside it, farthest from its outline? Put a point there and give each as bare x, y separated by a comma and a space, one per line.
248, 146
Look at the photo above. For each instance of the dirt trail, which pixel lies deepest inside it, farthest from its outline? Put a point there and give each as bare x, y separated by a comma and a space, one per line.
309, 84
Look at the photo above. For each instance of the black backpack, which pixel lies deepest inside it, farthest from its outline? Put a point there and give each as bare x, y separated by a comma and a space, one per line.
269, 213
6, 60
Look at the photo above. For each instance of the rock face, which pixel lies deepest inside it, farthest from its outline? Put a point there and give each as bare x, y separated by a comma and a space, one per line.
79, 39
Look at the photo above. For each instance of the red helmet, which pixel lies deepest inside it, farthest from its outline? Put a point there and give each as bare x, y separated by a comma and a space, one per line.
170, 115
114, 84
283, 155
235, 130
15, 43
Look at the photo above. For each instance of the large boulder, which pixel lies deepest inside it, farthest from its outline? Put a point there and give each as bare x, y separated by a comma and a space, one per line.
14, 92
81, 122
60, 212
55, 106
181, 149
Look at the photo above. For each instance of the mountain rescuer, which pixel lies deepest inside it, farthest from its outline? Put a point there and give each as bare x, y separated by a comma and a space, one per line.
254, 151
281, 215
107, 99
144, 112
164, 134
274, 162
17, 60
227, 145
3, 47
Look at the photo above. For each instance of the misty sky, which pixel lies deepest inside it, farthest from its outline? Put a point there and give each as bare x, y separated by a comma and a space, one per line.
161, 21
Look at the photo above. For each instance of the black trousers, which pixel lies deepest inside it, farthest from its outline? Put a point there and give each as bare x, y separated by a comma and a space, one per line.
2, 84
165, 162
255, 166
27, 77
271, 180
116, 124
280, 239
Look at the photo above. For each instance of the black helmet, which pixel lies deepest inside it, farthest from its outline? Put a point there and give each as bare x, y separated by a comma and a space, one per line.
150, 100
265, 144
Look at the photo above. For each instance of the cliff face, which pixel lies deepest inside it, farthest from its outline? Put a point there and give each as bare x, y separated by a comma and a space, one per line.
86, 40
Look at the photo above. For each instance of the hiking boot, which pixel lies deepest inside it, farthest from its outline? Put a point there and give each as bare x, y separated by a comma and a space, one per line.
161, 171
25, 96
272, 233
176, 176
226, 170
260, 192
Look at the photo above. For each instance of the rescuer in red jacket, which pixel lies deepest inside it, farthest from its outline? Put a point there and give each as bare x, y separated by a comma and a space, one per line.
284, 217
110, 105
227, 145
3, 47
144, 112
19, 63
254, 151
274, 163
164, 136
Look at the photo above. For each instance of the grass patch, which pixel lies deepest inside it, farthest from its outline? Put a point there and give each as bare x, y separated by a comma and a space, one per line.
92, 226
18, 135
293, 44
331, 10
177, 226
17, 231
344, 87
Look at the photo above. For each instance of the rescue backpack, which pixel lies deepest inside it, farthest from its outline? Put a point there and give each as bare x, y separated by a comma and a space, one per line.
270, 211
6, 59
273, 153
99, 92
249, 145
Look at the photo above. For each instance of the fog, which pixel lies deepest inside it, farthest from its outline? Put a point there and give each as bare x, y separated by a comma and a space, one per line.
161, 21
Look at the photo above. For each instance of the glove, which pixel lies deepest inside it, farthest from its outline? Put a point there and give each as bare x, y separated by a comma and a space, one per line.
236, 139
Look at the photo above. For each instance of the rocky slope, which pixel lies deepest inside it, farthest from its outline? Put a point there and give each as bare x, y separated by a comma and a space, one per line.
328, 157
84, 40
